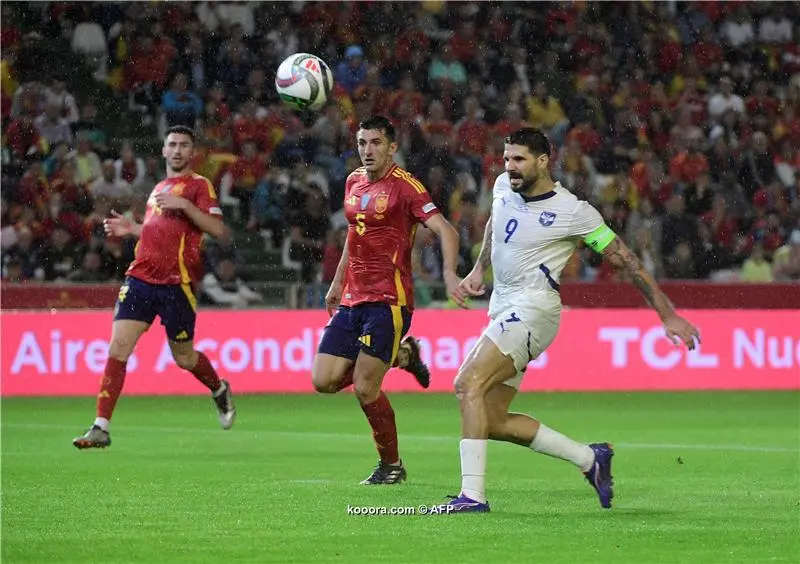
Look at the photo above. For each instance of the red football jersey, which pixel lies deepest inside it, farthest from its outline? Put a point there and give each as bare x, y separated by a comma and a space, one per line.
169, 250
383, 217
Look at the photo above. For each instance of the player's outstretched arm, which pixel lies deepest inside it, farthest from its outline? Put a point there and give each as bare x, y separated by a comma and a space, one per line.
621, 257
449, 239
120, 226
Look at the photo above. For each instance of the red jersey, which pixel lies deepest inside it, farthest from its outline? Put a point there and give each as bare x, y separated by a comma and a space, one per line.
169, 250
382, 217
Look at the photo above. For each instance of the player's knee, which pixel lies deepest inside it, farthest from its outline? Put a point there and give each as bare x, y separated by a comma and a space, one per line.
366, 390
120, 349
467, 383
323, 382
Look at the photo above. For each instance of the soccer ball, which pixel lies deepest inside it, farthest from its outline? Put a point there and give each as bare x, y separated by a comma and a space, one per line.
304, 81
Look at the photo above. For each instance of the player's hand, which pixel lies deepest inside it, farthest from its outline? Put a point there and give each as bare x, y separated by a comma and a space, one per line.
678, 328
117, 225
472, 285
453, 284
333, 297
167, 201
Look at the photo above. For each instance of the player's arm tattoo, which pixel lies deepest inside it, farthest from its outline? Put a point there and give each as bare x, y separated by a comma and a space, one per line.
621, 257
485, 256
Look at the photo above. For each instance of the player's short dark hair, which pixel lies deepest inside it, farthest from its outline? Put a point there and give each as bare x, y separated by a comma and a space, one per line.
181, 130
534, 139
379, 123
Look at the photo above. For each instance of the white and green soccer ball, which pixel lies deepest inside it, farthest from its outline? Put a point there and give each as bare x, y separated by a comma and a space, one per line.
304, 81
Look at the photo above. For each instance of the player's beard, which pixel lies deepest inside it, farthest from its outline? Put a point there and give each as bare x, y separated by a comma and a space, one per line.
526, 184
179, 167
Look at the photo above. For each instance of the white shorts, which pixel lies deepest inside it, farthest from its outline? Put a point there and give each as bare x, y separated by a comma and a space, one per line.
523, 337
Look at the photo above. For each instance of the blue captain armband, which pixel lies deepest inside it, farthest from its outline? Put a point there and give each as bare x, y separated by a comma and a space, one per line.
600, 238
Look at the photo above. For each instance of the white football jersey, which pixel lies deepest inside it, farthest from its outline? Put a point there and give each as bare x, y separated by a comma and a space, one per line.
532, 242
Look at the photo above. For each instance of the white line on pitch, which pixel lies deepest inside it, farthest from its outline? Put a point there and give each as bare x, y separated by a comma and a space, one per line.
424, 438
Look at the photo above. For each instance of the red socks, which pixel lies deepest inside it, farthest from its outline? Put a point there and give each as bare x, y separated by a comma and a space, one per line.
204, 372
110, 387
114, 379
381, 418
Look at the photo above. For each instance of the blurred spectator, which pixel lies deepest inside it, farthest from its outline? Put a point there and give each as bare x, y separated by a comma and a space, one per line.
53, 127
786, 260
307, 235
223, 287
58, 96
757, 167
756, 268
88, 128
352, 71
109, 187
12, 271
129, 168
90, 269
59, 255
247, 171
89, 39
23, 252
445, 72
87, 162
698, 195
194, 65
681, 263
181, 106
24, 139
545, 112
677, 225
724, 100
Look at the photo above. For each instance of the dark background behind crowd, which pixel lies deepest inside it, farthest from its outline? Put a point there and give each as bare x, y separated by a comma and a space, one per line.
679, 121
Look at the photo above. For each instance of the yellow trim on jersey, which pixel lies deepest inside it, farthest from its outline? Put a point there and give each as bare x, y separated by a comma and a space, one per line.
211, 190
405, 175
397, 321
398, 283
185, 278
187, 289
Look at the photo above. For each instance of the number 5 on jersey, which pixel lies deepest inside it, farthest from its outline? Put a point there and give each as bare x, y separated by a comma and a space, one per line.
360, 225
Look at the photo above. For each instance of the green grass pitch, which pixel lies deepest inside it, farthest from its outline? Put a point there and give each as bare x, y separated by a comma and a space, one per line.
701, 477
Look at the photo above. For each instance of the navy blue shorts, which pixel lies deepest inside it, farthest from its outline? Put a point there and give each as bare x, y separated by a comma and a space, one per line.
375, 328
175, 304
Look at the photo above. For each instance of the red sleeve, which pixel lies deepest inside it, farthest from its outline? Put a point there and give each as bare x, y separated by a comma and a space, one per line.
205, 197
421, 206
348, 185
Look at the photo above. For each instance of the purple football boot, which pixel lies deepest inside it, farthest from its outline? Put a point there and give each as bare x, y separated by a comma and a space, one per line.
599, 475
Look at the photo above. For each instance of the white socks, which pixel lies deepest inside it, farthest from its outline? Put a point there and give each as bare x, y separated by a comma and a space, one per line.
555, 444
102, 422
473, 468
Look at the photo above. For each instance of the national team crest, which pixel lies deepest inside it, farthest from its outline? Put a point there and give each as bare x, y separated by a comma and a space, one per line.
381, 203
364, 201
547, 218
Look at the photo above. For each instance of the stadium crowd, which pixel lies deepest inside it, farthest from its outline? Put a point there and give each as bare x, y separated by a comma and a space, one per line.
680, 122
